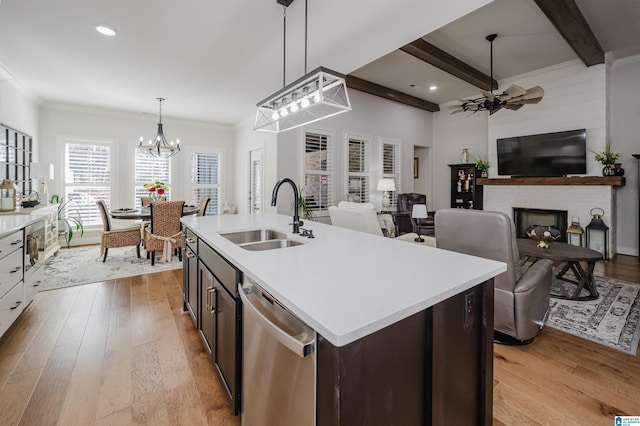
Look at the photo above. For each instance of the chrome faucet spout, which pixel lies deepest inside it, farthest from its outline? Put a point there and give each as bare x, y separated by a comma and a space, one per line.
297, 223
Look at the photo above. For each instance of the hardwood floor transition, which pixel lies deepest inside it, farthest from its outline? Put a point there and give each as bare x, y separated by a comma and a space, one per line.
121, 352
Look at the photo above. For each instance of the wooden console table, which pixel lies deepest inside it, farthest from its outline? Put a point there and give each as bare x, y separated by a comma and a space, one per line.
575, 180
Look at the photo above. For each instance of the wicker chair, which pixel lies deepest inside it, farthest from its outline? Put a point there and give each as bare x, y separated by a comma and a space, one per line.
119, 237
164, 233
145, 201
204, 203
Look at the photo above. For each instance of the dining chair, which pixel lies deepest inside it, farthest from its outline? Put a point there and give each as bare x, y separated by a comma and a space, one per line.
165, 231
145, 200
116, 237
204, 203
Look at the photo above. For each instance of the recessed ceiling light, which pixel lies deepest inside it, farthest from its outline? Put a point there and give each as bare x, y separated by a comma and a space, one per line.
106, 30
433, 87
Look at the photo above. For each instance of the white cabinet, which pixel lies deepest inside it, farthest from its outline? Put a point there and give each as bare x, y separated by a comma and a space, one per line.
11, 279
50, 213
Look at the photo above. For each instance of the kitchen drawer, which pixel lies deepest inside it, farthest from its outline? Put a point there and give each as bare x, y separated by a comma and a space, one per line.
222, 269
11, 305
10, 271
10, 243
33, 284
191, 240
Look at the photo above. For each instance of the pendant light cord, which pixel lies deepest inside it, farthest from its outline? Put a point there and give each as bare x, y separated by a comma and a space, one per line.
305, 37
284, 47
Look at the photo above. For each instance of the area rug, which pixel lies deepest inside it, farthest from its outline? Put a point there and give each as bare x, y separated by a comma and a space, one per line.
83, 265
611, 320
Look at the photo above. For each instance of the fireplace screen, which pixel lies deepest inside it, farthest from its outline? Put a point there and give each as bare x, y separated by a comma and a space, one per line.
524, 217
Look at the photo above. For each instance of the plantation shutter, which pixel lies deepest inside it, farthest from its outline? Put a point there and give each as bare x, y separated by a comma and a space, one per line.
87, 178
318, 179
205, 180
358, 178
150, 169
391, 167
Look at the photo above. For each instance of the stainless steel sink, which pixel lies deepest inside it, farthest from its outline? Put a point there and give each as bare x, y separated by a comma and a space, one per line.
254, 235
260, 239
269, 245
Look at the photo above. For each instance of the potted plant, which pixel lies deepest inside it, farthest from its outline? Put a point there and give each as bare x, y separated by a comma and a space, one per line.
303, 207
483, 166
69, 218
608, 158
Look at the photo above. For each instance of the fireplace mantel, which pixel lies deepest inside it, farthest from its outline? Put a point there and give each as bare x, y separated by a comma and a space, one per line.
575, 180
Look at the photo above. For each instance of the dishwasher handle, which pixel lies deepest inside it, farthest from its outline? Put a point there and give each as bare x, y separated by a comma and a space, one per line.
295, 345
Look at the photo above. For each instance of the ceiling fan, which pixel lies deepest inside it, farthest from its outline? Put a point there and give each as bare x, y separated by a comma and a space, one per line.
513, 98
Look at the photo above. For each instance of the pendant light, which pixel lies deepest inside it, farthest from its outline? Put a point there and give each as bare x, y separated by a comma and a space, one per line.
317, 95
159, 147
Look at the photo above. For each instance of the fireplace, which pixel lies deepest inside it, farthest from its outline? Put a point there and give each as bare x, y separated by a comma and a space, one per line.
525, 217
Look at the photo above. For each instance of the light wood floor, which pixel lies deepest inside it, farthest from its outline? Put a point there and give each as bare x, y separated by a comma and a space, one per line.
122, 352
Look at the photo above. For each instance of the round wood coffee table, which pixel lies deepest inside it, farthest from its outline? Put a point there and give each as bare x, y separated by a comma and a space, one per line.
570, 258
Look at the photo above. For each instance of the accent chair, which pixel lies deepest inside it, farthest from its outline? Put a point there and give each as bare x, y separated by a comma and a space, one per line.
116, 237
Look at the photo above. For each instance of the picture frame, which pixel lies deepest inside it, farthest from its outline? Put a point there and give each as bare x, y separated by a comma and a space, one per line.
415, 167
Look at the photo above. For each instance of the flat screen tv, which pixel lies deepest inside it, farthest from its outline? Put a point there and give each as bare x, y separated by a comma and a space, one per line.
549, 154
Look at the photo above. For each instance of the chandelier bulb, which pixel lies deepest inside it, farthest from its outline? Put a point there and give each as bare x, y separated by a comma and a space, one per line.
316, 96
304, 102
275, 115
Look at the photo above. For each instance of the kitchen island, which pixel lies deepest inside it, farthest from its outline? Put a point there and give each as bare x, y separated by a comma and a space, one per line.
404, 332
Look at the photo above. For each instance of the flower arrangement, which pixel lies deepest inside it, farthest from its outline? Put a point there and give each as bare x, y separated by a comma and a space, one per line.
156, 189
482, 165
607, 157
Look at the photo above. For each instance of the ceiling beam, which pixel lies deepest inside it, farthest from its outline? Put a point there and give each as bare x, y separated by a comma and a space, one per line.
431, 54
570, 23
391, 94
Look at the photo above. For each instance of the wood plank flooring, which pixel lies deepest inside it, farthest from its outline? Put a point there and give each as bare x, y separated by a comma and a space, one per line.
121, 352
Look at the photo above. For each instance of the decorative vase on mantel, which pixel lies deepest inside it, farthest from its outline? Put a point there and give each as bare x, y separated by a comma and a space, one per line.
464, 155
618, 170
607, 170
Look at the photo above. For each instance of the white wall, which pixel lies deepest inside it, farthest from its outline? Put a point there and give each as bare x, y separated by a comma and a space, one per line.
370, 116
452, 133
245, 140
625, 136
19, 110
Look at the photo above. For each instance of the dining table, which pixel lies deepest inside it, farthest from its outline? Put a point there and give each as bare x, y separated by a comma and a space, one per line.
145, 212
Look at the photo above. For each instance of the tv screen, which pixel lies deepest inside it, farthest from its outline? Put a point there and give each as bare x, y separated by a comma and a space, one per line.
549, 154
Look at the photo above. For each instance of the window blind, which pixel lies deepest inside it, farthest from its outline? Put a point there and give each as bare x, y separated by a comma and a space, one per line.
358, 177
149, 169
318, 173
256, 186
205, 180
87, 178
391, 167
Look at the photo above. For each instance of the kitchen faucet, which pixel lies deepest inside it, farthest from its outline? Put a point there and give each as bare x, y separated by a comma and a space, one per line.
297, 223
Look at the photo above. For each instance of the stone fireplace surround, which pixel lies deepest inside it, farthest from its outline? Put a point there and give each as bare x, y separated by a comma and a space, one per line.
577, 200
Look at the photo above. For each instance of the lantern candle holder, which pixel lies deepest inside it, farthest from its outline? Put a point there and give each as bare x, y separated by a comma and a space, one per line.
598, 233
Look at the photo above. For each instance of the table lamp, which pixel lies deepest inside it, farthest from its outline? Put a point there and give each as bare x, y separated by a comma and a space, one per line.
386, 185
419, 212
42, 171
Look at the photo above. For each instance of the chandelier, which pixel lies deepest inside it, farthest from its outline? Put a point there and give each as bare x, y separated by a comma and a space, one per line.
159, 147
514, 98
317, 95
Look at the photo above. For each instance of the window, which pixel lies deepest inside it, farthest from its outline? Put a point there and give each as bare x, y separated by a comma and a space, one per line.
358, 177
87, 178
391, 167
150, 169
205, 180
318, 170
15, 157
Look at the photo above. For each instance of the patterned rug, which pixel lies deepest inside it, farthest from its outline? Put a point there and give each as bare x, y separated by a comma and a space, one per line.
83, 265
611, 320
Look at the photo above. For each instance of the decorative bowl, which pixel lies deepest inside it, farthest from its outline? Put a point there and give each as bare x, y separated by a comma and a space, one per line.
543, 235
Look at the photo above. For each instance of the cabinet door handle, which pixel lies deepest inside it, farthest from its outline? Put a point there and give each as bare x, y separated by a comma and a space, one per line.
208, 299
189, 253
190, 240
16, 242
214, 307
16, 269
18, 303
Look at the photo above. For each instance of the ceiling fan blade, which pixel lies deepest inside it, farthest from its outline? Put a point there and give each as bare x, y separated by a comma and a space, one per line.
521, 101
512, 92
457, 111
454, 106
513, 107
488, 95
493, 111
534, 92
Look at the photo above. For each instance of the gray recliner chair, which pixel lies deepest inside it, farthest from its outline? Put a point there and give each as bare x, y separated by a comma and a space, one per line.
521, 295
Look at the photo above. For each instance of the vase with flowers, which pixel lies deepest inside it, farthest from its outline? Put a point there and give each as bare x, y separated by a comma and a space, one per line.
156, 190
482, 165
608, 158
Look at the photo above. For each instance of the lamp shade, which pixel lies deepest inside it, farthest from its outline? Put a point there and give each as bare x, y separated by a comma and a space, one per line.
386, 185
41, 170
419, 211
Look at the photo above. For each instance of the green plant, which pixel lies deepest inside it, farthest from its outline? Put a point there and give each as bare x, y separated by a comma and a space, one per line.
70, 216
606, 157
482, 164
303, 207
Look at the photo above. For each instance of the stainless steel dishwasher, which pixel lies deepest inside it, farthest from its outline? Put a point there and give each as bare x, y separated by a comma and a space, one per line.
278, 370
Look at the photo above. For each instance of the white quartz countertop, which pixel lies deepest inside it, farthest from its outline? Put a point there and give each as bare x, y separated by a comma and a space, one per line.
346, 284
12, 223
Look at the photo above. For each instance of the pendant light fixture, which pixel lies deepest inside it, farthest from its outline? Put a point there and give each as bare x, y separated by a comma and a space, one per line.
159, 147
320, 94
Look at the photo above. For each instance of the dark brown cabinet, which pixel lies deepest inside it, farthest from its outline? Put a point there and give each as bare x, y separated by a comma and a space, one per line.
465, 194
210, 296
